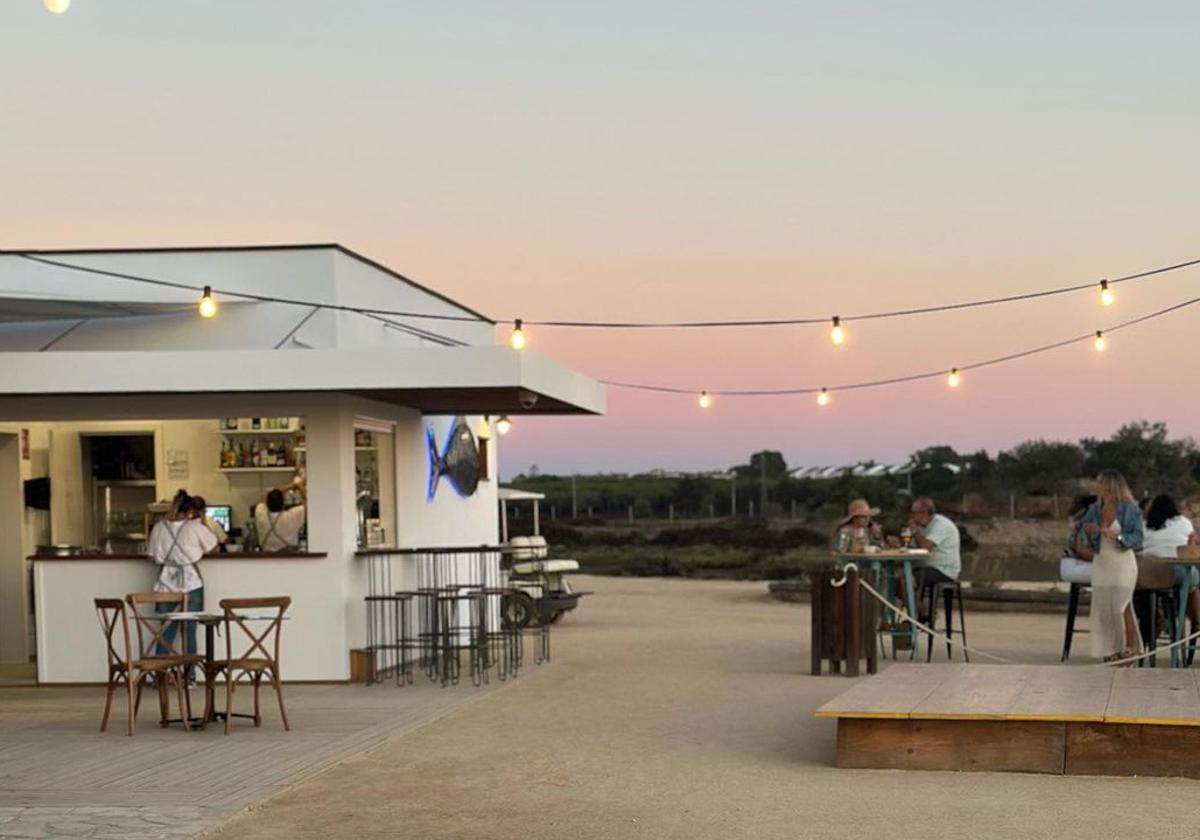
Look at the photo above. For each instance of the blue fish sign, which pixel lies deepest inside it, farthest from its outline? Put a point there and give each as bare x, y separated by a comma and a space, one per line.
458, 459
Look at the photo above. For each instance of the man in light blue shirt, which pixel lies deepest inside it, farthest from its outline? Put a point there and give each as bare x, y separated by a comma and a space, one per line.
939, 536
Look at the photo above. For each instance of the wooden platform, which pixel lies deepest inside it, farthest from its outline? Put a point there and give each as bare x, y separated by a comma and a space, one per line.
1078, 720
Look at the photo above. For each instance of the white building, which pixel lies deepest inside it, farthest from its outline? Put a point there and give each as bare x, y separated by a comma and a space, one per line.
117, 391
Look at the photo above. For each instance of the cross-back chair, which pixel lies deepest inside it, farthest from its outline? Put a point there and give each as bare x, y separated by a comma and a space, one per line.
126, 670
258, 646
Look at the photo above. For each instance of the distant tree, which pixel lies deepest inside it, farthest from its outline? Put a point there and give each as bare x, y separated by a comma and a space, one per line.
1147, 457
1040, 466
937, 471
775, 464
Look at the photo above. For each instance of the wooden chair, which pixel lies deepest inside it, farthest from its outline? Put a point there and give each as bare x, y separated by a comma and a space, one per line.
259, 658
123, 669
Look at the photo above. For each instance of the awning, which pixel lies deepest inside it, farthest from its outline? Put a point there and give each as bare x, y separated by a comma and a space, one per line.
434, 380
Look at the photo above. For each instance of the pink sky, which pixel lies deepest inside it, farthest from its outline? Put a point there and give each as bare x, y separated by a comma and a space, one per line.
678, 162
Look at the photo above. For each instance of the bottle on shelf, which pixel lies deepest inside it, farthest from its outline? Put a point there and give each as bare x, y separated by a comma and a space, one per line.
224, 453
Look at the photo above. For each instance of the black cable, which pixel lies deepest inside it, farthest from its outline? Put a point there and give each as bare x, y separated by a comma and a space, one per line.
899, 380
623, 325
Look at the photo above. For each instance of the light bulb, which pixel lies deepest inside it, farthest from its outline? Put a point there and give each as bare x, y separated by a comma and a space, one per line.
57, 7
1100, 343
517, 339
823, 397
208, 306
837, 335
503, 425
953, 380
1106, 294
705, 399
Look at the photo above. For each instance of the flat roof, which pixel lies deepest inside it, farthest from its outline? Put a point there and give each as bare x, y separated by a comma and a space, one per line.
435, 380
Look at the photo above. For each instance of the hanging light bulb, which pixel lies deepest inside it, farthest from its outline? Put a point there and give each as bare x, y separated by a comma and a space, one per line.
823, 397
1100, 342
57, 7
953, 380
1106, 294
208, 306
705, 399
517, 339
504, 425
837, 335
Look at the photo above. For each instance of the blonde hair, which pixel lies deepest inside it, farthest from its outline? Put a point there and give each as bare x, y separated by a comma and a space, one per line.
1113, 485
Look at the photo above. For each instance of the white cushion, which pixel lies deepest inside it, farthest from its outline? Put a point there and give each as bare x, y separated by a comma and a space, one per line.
1074, 570
546, 566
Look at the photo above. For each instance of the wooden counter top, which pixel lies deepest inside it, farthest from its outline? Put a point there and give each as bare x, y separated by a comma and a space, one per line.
233, 555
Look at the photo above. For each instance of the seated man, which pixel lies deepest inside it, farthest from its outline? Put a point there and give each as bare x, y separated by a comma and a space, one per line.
1076, 563
939, 536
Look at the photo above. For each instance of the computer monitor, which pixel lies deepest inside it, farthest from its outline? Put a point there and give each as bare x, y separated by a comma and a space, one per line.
222, 514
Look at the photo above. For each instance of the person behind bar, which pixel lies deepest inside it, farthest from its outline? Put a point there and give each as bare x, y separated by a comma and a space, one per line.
279, 529
199, 510
177, 543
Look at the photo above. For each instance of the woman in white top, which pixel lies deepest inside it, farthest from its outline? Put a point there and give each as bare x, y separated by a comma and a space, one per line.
1166, 530
177, 543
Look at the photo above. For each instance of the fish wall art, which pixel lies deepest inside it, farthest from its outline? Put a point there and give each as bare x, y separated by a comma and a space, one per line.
457, 460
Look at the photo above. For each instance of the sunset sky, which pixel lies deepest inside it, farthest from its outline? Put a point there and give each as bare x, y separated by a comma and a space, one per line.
668, 160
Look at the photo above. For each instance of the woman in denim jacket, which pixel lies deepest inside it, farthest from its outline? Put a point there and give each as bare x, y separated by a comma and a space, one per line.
1112, 532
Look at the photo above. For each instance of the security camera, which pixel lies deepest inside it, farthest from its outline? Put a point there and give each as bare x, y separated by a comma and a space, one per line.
528, 399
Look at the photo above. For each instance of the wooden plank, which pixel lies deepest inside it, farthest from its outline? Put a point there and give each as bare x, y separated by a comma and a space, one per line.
1111, 749
853, 596
1154, 697
892, 694
816, 607
1004, 746
975, 692
1060, 692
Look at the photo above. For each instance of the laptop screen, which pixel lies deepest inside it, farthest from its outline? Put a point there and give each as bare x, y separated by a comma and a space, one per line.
222, 514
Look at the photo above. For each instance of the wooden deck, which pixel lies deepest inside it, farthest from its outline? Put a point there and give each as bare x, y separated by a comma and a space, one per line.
1025, 718
55, 764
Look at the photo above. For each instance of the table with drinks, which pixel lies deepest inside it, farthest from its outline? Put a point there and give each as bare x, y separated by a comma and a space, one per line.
889, 566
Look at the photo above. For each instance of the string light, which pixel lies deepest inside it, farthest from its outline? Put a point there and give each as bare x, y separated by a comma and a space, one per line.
1106, 294
823, 397
517, 339
953, 380
208, 306
57, 7
504, 425
705, 399
837, 335
1100, 342
477, 318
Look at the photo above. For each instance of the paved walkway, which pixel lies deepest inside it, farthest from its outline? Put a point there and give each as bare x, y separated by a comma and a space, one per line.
60, 777
680, 709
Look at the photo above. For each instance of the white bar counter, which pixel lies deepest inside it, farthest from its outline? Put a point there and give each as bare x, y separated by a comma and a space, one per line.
70, 645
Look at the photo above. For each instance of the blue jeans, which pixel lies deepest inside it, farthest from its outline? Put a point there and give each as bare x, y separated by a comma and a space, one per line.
195, 603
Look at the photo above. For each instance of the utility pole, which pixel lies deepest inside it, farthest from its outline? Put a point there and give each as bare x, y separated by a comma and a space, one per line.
762, 483
733, 494
574, 500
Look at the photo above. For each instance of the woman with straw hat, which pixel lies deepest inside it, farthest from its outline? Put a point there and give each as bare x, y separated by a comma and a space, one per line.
858, 529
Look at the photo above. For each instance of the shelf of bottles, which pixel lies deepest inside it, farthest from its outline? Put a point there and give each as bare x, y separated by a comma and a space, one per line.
262, 444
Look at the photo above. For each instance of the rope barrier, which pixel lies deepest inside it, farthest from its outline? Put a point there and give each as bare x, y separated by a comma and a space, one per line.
902, 615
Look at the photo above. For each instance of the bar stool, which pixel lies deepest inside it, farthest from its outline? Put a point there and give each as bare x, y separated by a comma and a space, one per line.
949, 590
1072, 612
388, 638
1145, 606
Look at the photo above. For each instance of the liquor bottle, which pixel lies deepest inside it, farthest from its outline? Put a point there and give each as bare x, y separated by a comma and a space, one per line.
224, 462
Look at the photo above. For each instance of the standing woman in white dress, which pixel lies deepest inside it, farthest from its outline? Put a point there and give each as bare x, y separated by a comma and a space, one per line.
1113, 531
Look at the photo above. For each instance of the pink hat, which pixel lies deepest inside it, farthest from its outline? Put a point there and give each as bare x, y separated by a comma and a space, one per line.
859, 507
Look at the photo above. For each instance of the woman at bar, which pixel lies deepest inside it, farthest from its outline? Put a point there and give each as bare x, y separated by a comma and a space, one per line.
1113, 531
199, 510
1166, 530
177, 543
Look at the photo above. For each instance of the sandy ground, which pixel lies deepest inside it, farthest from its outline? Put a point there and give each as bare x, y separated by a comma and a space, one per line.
681, 709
